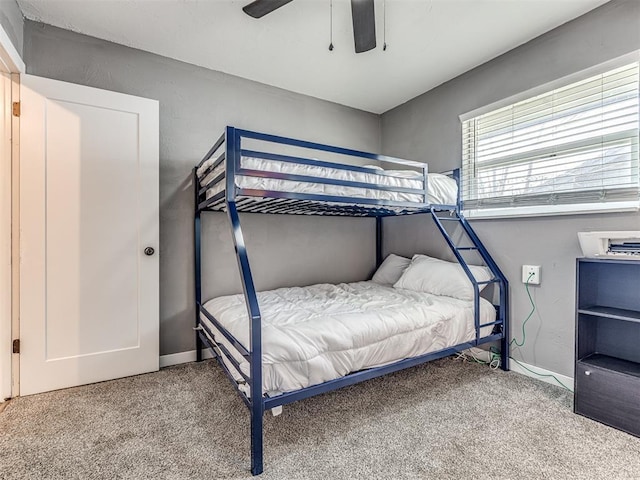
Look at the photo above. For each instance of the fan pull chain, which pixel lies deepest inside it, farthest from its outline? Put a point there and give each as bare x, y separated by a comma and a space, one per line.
330, 25
384, 25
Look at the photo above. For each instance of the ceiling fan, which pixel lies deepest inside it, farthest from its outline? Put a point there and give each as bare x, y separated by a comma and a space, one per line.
362, 11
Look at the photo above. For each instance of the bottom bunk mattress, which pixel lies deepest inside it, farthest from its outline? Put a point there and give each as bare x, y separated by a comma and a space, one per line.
314, 334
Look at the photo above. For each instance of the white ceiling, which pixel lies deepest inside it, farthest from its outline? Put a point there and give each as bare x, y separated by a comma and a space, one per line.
429, 41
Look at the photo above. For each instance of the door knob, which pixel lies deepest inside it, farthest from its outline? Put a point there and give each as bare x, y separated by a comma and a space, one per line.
587, 373
149, 251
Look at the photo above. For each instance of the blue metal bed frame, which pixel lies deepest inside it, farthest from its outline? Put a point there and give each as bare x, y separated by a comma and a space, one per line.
232, 199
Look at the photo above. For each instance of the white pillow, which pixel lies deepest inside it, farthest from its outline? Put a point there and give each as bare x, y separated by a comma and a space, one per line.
390, 271
438, 277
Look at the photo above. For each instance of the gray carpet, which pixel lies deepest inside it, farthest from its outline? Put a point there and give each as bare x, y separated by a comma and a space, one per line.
446, 419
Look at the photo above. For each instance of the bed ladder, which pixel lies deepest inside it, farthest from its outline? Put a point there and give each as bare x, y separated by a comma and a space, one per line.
439, 217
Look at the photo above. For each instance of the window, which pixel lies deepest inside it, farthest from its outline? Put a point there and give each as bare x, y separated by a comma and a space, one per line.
569, 149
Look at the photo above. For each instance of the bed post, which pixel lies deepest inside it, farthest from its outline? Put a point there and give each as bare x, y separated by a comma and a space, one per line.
255, 340
197, 264
251, 299
505, 343
455, 174
378, 241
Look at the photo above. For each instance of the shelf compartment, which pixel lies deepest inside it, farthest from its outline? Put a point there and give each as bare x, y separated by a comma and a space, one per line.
607, 396
611, 312
612, 364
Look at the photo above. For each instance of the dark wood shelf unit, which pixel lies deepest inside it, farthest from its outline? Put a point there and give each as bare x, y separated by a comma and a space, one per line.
607, 368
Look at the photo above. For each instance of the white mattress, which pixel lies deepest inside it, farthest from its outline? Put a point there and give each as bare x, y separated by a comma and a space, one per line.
441, 189
318, 333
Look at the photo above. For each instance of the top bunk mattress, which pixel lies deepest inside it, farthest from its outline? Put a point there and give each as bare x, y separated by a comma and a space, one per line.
318, 333
442, 190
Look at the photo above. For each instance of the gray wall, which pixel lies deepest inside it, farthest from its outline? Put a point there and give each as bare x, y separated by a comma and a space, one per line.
428, 128
12, 21
195, 105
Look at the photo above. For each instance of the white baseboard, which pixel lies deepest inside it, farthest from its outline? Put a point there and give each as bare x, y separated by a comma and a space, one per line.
523, 368
182, 357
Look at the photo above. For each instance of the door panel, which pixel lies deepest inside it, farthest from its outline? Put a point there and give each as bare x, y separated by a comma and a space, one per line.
89, 207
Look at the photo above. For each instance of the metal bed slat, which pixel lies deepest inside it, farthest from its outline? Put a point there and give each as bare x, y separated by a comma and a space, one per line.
308, 209
303, 209
246, 204
206, 203
278, 208
304, 206
272, 207
243, 201
282, 204
218, 206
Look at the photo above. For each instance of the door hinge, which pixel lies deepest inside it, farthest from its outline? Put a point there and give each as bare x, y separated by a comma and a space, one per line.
16, 345
16, 109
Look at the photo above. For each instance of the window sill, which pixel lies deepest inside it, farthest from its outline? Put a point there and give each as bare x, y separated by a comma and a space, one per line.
550, 210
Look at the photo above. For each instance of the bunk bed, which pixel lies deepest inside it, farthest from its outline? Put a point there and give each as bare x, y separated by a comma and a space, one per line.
290, 344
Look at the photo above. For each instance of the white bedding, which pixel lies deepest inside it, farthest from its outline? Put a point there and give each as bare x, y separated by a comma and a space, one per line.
318, 333
441, 189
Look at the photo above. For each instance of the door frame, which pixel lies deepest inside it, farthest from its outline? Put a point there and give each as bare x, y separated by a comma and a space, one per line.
12, 64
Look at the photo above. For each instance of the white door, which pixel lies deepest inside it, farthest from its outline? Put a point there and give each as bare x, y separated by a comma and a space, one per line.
88, 210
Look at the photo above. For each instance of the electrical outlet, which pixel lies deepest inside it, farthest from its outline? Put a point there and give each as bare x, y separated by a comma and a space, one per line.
531, 274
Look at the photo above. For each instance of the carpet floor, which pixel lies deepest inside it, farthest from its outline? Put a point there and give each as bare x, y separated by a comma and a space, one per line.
444, 420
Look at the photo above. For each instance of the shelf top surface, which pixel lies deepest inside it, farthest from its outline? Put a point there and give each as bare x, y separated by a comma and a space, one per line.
612, 363
626, 261
611, 312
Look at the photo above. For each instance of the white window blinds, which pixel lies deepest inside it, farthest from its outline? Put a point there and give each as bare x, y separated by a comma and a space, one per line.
575, 144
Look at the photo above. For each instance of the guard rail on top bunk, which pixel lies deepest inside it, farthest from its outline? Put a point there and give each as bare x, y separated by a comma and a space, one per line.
225, 159
219, 184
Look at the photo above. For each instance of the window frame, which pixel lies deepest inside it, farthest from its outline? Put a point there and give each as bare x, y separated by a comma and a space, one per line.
545, 210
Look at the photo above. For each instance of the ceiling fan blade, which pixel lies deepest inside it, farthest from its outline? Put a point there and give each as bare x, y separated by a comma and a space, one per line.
259, 8
364, 25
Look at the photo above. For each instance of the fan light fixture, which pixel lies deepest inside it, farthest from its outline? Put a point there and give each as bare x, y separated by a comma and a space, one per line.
362, 12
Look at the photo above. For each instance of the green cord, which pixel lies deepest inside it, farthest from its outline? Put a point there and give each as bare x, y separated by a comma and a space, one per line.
533, 309
496, 352
541, 374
